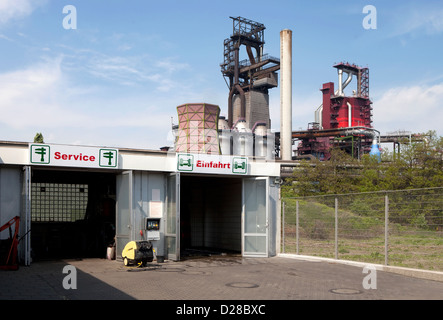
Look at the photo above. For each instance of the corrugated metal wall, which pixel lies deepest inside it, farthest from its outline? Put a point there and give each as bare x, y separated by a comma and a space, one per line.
147, 188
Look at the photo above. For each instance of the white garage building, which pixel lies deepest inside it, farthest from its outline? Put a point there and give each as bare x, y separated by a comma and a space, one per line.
75, 201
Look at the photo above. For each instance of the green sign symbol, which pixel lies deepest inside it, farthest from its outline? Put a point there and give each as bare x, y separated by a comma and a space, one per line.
240, 165
109, 155
185, 162
42, 152
108, 158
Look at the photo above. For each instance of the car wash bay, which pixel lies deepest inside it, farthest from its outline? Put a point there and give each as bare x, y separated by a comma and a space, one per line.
218, 214
76, 209
75, 213
72, 213
210, 211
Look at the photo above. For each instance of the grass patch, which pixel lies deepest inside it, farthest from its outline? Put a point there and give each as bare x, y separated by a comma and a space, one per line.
360, 236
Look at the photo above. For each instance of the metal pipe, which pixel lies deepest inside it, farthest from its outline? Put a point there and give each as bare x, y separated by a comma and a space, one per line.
318, 116
242, 101
386, 229
286, 94
342, 85
363, 130
336, 228
230, 108
236, 89
340, 82
283, 227
349, 114
296, 228
347, 81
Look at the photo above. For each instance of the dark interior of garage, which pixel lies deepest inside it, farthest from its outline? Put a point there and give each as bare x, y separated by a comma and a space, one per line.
210, 216
72, 214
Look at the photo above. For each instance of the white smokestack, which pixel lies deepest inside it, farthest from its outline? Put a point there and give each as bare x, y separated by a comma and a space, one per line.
286, 94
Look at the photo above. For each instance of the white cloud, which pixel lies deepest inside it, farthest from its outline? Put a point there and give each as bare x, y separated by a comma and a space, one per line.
161, 74
171, 66
17, 9
418, 20
41, 98
34, 96
2, 36
415, 108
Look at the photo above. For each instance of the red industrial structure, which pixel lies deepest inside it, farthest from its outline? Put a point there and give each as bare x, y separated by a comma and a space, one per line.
341, 121
340, 111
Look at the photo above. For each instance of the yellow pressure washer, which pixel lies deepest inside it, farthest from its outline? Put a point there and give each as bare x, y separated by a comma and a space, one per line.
137, 253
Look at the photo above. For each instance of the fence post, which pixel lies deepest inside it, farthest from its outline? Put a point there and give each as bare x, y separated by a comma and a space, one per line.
296, 226
386, 228
336, 228
283, 228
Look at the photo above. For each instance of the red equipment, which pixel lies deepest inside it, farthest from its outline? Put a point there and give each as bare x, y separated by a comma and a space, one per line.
9, 260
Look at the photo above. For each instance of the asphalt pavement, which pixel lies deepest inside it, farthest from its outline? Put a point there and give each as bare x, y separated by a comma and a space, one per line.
224, 280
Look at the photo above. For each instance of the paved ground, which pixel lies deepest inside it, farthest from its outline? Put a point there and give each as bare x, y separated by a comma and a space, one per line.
212, 278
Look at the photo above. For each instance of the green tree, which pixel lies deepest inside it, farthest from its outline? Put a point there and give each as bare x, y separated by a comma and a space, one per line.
337, 175
39, 138
419, 165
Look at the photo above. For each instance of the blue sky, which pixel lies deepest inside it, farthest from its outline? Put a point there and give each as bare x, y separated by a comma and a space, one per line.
117, 78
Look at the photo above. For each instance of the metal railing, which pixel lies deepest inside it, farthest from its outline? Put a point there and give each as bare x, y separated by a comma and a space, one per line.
398, 228
266, 56
229, 62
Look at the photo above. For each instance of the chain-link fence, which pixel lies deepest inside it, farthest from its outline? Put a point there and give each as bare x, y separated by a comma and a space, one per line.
397, 228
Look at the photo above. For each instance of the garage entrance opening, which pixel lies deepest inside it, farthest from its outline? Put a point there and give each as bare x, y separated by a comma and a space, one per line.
210, 216
72, 214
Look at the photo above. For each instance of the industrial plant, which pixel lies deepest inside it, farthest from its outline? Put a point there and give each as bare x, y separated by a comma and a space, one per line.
217, 189
247, 130
342, 120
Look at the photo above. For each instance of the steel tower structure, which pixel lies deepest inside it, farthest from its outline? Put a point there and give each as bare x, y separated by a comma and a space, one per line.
248, 80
